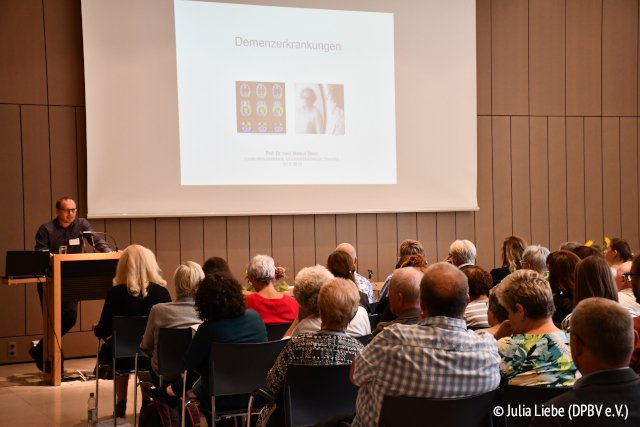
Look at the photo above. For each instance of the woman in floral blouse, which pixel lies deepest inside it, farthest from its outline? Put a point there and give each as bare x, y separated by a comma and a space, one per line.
538, 353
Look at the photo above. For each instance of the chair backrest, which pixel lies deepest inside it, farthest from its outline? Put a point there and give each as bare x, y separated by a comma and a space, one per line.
172, 346
364, 339
529, 396
373, 321
241, 368
403, 411
127, 335
315, 393
275, 331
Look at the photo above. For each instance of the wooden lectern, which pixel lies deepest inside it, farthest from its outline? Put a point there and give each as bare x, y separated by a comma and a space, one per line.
74, 277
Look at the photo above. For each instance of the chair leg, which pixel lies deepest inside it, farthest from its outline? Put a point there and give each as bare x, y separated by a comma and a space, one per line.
115, 402
184, 396
97, 377
135, 389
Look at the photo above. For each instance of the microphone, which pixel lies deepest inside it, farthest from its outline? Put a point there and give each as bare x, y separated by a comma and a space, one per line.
93, 233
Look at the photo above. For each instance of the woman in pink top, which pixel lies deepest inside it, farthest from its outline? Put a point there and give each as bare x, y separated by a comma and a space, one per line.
271, 305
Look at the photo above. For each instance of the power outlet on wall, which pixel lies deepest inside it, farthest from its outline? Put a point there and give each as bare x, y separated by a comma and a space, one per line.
12, 349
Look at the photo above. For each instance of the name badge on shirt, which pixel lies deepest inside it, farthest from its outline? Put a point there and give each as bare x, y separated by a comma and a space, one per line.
74, 242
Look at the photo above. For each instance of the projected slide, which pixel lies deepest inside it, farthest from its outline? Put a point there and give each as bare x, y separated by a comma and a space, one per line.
284, 96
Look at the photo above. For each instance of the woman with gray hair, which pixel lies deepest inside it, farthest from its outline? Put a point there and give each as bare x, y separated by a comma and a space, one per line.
271, 305
538, 353
178, 314
308, 283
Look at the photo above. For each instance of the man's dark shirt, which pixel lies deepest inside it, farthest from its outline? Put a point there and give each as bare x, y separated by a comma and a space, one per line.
51, 236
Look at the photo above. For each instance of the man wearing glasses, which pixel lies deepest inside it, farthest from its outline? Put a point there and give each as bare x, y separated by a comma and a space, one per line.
64, 234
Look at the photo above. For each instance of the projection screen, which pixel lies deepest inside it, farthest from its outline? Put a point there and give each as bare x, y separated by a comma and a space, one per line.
201, 108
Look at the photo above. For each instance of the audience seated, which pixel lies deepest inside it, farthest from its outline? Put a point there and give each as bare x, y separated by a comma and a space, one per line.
364, 285
340, 264
496, 314
404, 297
512, 249
271, 305
479, 286
407, 248
617, 252
178, 314
537, 354
308, 283
221, 306
383, 310
216, 265
138, 286
562, 267
462, 253
438, 357
587, 251
602, 338
569, 246
622, 278
534, 258
593, 279
338, 302
634, 277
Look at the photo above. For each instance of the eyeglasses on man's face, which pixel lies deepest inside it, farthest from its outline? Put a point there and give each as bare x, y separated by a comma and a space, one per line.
68, 211
627, 276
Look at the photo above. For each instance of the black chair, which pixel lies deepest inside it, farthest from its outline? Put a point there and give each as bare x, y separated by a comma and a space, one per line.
172, 346
364, 339
528, 396
402, 411
314, 393
275, 331
125, 343
373, 321
239, 369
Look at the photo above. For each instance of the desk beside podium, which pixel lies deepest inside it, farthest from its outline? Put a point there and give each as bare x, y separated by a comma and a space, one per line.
74, 277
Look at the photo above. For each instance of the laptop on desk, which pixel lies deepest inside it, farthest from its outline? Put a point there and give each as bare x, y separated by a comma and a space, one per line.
26, 264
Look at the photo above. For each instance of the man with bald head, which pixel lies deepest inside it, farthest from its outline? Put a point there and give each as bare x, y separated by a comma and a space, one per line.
435, 358
404, 297
602, 339
364, 285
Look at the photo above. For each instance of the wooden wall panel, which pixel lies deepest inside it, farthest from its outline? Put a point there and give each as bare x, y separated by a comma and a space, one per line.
64, 164
282, 244
90, 311
502, 215
629, 180
520, 173
575, 179
557, 181
445, 232
407, 226
304, 246
238, 246
620, 58
23, 71
346, 230
366, 245
547, 57
387, 234
484, 217
465, 226
593, 178
215, 237
12, 224
191, 240
38, 206
33, 312
325, 229
427, 235
63, 33
143, 232
611, 176
539, 184
584, 57
260, 235
118, 232
483, 54
509, 57
81, 158
12, 316
168, 249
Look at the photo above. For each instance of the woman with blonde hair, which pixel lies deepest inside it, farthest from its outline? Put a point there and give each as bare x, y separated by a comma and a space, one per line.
512, 249
138, 286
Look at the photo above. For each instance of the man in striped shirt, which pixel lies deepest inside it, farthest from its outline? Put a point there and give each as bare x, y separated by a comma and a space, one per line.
436, 358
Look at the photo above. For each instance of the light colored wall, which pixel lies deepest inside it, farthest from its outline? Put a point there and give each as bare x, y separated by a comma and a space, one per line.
557, 152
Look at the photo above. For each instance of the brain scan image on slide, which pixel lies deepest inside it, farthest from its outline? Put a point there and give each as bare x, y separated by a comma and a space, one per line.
320, 109
262, 102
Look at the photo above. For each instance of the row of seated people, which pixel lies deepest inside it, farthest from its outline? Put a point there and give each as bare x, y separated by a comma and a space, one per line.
435, 357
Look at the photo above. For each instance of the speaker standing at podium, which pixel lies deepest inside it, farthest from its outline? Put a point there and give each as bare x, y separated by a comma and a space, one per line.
64, 230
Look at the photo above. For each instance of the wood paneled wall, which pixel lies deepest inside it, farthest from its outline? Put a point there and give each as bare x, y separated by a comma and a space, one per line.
557, 152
